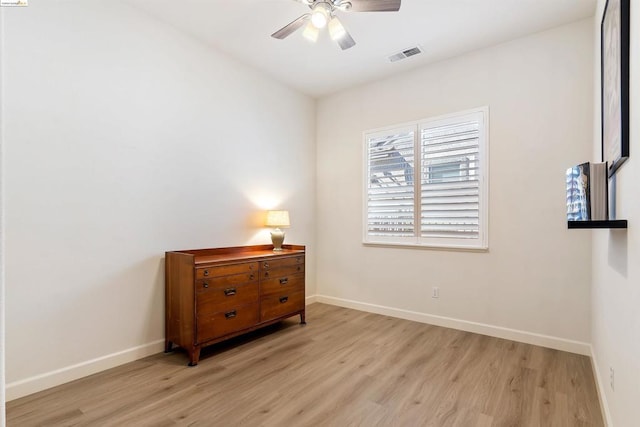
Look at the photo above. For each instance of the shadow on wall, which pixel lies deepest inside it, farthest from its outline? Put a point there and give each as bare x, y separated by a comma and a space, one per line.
618, 251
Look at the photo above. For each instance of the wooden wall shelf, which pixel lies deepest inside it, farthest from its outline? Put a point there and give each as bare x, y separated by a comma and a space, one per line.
612, 223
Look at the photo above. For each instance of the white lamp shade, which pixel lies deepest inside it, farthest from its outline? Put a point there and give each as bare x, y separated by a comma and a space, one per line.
278, 219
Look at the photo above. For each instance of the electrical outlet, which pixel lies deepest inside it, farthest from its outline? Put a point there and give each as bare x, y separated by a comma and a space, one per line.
611, 377
435, 292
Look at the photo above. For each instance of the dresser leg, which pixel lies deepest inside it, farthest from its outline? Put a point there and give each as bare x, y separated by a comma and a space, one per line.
302, 321
168, 346
194, 356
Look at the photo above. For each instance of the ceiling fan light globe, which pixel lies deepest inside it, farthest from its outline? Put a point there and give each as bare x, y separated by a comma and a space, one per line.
320, 15
318, 20
336, 30
311, 33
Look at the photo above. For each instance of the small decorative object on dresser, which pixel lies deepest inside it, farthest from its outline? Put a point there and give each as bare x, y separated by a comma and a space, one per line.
277, 219
214, 294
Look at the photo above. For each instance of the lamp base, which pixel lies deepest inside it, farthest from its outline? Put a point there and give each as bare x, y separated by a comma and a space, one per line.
277, 237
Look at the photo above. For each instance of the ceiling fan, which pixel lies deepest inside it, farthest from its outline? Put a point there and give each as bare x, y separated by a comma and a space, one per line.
323, 13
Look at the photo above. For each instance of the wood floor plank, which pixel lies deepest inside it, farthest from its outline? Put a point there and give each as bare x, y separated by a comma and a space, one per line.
344, 368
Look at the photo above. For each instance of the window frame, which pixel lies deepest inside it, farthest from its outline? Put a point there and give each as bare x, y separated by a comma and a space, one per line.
417, 241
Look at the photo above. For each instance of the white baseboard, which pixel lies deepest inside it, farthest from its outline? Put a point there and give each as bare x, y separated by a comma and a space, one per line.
47, 380
464, 325
600, 386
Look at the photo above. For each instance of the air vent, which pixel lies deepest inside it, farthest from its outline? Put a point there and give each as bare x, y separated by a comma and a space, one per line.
405, 54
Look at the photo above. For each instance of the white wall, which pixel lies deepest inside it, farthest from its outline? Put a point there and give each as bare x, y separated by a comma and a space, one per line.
2, 287
125, 139
535, 279
616, 255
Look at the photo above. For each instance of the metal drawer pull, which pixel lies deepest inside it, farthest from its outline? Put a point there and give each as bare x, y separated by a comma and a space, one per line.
230, 314
283, 300
230, 292
284, 281
205, 285
265, 265
251, 277
266, 274
206, 272
250, 266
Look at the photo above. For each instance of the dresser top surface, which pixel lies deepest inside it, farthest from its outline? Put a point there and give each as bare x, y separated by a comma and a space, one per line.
245, 253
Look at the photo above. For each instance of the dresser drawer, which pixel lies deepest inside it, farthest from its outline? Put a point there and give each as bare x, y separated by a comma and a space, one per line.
282, 262
281, 304
274, 273
221, 298
283, 284
206, 284
218, 324
226, 270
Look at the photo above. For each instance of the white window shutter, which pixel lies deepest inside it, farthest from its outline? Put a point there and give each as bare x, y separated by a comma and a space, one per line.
390, 184
450, 188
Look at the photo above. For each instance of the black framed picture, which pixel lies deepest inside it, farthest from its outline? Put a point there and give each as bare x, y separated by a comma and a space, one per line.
614, 49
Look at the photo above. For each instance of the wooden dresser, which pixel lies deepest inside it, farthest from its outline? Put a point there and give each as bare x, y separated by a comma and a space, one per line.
215, 294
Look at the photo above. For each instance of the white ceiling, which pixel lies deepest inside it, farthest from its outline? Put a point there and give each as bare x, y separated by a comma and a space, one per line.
443, 28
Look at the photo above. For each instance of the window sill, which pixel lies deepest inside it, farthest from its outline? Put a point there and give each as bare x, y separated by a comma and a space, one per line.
452, 248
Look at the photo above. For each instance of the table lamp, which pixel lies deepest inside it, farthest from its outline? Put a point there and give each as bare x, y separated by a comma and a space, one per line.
277, 219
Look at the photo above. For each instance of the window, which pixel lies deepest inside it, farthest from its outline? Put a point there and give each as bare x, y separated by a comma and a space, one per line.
426, 182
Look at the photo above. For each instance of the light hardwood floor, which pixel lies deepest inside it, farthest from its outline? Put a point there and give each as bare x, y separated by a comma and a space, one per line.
344, 368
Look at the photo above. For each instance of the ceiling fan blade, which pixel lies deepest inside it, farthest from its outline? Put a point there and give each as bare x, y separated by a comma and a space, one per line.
375, 5
346, 41
291, 27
